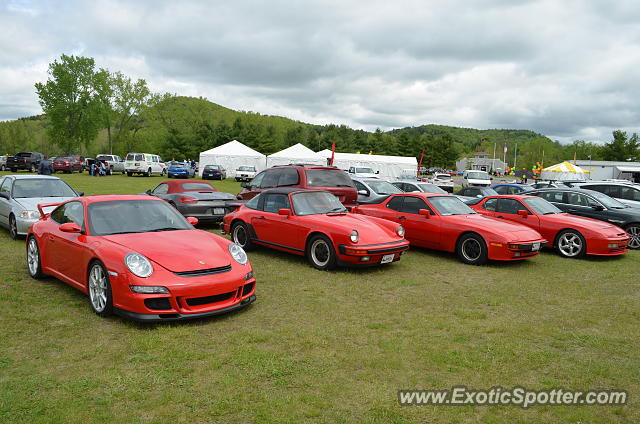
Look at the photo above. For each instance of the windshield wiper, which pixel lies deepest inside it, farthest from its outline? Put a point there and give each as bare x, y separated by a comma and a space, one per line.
337, 209
164, 229
342, 185
124, 232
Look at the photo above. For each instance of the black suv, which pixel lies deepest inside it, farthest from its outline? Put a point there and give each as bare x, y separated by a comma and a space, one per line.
327, 178
593, 204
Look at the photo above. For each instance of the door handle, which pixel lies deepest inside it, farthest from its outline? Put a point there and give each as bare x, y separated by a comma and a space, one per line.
500, 216
261, 217
402, 217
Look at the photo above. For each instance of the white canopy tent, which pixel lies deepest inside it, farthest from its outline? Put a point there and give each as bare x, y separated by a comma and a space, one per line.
563, 171
387, 166
232, 155
296, 154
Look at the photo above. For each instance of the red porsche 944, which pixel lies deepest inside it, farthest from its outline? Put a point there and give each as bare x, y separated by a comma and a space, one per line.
314, 223
138, 257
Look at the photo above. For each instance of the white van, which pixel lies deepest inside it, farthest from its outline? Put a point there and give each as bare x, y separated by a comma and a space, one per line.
145, 164
474, 178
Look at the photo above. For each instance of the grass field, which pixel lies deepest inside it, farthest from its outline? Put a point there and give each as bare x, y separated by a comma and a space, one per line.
326, 346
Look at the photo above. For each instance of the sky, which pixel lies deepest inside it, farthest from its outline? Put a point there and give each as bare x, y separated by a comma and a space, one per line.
566, 69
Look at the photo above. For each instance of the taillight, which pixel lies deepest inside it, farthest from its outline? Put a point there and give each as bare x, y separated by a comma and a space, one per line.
187, 199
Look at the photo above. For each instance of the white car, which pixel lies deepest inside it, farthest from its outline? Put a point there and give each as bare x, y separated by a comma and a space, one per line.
362, 172
245, 173
145, 164
473, 178
444, 181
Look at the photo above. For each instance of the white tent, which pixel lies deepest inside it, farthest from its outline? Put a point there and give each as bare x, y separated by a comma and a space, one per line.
387, 166
232, 155
296, 154
564, 171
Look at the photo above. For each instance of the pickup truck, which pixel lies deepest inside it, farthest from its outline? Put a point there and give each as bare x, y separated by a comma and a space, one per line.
24, 160
113, 163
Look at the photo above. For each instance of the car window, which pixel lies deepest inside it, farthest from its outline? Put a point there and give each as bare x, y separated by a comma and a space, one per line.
161, 189
510, 206
257, 180
383, 187
139, 157
413, 205
288, 177
6, 185
197, 186
630, 193
327, 178
490, 205
69, 212
253, 203
396, 203
274, 202
500, 189
577, 199
360, 186
552, 196
270, 179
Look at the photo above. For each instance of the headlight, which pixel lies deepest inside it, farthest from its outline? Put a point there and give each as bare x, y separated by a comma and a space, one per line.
400, 230
238, 253
138, 264
354, 236
149, 289
30, 215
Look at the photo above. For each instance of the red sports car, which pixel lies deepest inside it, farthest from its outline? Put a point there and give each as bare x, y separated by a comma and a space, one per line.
444, 222
314, 223
138, 257
573, 236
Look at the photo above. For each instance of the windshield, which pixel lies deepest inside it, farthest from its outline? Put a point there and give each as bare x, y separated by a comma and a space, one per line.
449, 205
316, 202
247, 168
35, 187
541, 206
383, 187
608, 201
431, 188
477, 175
134, 216
364, 171
327, 178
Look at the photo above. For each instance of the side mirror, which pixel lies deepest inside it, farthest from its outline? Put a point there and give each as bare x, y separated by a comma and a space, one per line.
425, 212
148, 192
363, 192
4, 195
192, 220
70, 227
377, 172
523, 214
244, 184
284, 212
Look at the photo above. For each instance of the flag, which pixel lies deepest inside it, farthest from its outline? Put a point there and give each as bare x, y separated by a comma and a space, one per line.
333, 151
420, 164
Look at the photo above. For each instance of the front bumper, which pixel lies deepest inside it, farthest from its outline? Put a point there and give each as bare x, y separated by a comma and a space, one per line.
515, 250
370, 255
605, 247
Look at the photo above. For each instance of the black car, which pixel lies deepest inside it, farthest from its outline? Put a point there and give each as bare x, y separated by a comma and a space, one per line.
593, 204
214, 172
477, 192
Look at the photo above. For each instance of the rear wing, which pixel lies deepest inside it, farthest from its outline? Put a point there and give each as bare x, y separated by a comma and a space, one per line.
41, 207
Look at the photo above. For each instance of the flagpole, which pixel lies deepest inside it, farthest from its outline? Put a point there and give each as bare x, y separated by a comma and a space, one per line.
515, 156
493, 162
504, 158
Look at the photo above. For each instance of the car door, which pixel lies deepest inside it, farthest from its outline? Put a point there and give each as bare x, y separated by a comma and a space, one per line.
508, 209
415, 225
557, 198
583, 205
273, 228
5, 204
67, 251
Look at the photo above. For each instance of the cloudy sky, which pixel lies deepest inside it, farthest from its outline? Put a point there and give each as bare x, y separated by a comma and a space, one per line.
567, 69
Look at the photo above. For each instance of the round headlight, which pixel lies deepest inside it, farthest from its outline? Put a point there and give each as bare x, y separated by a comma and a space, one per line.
400, 230
138, 264
354, 236
238, 253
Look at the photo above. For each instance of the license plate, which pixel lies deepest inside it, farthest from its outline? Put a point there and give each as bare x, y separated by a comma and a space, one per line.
218, 211
535, 246
387, 258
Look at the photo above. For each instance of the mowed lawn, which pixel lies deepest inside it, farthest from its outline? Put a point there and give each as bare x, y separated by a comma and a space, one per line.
326, 346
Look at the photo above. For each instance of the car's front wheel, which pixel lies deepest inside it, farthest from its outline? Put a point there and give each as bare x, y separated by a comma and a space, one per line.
571, 244
100, 295
240, 235
13, 227
320, 253
472, 249
34, 263
634, 232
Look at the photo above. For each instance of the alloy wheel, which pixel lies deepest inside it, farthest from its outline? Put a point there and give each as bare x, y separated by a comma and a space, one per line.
33, 257
98, 288
320, 252
634, 233
570, 244
471, 249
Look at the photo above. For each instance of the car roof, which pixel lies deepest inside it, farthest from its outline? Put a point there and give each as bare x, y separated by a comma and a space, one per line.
289, 190
567, 189
33, 177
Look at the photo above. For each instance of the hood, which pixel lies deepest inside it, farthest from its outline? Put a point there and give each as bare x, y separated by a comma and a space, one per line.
31, 203
515, 232
177, 251
369, 231
581, 222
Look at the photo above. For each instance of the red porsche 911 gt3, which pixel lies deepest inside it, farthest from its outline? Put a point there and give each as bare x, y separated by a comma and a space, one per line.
573, 236
314, 223
444, 222
136, 256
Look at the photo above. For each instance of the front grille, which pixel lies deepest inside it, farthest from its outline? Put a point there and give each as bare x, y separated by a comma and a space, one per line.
158, 303
201, 272
197, 301
247, 288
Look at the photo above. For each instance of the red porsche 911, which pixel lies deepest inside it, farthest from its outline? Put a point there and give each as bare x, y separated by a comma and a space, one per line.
136, 256
444, 222
314, 223
573, 236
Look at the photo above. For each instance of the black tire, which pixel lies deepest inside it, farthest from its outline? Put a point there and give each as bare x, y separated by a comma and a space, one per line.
240, 235
129, 174
634, 232
13, 227
320, 253
148, 173
472, 250
99, 289
34, 262
571, 244
14, 169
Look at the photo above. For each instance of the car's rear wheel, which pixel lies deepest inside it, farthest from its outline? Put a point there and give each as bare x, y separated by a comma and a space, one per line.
320, 253
634, 232
13, 227
34, 263
240, 235
472, 249
99, 286
148, 173
571, 244
129, 174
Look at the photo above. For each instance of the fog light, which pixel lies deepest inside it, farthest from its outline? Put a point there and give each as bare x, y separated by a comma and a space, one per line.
364, 259
149, 289
249, 275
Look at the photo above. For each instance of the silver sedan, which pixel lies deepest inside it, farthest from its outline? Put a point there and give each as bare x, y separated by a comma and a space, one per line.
20, 196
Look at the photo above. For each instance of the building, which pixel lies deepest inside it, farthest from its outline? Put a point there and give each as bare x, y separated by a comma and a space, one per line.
606, 170
482, 162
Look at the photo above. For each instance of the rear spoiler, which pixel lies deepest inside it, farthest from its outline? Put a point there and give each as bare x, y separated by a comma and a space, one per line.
41, 207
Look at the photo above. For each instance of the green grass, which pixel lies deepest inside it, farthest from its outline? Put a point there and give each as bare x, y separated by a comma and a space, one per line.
326, 346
